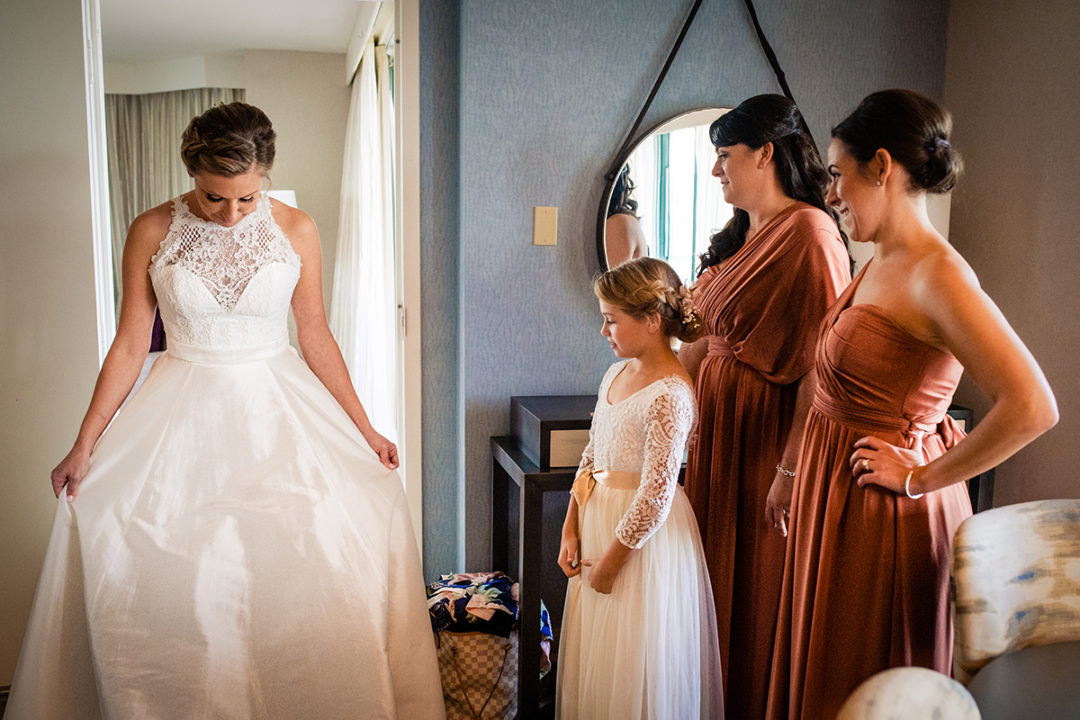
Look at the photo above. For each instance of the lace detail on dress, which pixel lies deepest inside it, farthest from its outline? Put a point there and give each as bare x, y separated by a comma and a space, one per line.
644, 433
587, 455
670, 417
224, 258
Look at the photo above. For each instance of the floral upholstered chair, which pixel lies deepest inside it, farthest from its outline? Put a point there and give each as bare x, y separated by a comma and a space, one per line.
1015, 581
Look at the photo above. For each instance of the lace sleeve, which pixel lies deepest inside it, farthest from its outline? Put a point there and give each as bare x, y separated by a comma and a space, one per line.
669, 419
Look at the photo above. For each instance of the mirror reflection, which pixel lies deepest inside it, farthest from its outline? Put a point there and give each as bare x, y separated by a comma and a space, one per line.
664, 201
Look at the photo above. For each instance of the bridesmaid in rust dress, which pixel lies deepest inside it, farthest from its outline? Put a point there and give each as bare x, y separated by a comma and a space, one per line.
880, 490
768, 279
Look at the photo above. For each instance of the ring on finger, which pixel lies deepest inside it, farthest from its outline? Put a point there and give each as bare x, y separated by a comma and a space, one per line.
866, 464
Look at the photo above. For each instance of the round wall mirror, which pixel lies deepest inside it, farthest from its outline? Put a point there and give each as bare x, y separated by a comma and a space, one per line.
664, 202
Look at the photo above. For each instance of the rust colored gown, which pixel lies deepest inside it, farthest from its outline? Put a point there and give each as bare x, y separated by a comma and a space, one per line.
762, 309
866, 578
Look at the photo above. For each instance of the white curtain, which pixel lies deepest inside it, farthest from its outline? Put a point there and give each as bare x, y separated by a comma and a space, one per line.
712, 211
363, 310
646, 183
143, 141
695, 199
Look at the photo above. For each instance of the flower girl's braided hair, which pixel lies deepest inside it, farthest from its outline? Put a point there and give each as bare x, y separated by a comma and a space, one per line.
229, 140
645, 285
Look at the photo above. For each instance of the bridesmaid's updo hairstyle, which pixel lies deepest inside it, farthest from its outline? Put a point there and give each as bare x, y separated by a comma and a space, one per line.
768, 119
913, 128
646, 285
229, 140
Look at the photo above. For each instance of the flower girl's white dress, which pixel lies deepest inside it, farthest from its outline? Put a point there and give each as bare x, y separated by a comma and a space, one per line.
236, 550
649, 649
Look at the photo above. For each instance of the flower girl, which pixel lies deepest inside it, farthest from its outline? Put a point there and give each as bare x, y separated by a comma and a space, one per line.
639, 630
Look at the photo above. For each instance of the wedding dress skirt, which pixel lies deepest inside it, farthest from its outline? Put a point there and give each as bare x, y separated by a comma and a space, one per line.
236, 551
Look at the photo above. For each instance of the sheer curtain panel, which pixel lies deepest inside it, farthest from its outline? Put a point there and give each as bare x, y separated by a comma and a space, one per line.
363, 312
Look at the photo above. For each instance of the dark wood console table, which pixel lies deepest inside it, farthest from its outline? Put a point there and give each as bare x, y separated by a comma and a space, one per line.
512, 467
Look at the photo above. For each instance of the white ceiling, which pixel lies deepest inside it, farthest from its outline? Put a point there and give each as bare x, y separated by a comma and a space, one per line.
164, 29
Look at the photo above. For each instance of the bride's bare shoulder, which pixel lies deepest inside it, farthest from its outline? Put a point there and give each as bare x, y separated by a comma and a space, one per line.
149, 228
296, 224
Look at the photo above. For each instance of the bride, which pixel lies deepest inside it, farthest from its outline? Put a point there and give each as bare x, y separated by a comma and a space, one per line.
235, 542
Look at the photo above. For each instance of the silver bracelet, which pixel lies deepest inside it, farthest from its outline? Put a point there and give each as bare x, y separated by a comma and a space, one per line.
907, 484
789, 473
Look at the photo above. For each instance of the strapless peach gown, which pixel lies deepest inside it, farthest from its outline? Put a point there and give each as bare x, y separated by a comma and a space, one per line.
866, 575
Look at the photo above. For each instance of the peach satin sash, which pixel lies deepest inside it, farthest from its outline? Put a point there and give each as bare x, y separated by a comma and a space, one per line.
586, 480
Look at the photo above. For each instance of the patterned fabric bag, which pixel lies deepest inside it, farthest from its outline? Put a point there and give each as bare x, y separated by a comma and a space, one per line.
475, 620
479, 674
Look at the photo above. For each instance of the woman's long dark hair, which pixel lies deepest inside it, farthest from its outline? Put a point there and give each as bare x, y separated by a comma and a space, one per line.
621, 202
756, 121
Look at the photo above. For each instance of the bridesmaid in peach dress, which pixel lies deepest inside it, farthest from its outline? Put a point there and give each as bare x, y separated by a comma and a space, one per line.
770, 276
881, 489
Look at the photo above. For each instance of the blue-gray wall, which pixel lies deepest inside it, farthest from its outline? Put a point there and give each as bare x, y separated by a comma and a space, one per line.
444, 497
526, 103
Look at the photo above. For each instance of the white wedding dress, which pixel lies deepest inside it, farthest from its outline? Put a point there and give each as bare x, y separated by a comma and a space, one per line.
236, 550
649, 649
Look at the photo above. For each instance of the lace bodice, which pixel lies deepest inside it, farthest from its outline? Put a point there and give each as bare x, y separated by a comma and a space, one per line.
225, 287
644, 433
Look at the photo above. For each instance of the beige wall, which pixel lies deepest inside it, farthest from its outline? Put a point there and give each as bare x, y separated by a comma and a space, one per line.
48, 335
1011, 85
305, 95
137, 77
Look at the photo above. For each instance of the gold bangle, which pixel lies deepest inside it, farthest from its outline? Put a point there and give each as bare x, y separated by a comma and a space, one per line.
907, 484
789, 473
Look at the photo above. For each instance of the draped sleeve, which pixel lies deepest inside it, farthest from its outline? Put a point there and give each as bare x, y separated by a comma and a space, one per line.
768, 300
704, 279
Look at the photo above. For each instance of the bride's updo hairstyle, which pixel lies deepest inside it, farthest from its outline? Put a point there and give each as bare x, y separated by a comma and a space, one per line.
646, 285
913, 128
229, 140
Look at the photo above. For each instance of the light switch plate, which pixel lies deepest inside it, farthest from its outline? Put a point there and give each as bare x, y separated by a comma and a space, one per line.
545, 225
